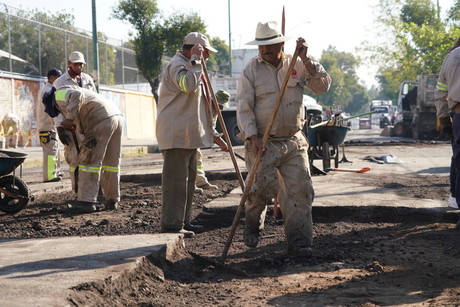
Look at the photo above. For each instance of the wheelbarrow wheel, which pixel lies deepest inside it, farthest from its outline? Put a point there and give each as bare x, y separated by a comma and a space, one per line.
326, 154
14, 185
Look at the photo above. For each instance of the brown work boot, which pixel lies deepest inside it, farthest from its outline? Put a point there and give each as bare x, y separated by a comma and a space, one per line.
83, 207
300, 251
251, 239
111, 205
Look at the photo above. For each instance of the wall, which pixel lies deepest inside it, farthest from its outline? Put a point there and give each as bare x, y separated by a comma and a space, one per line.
18, 95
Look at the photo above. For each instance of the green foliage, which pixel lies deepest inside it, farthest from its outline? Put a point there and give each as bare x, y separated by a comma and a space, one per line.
345, 93
159, 36
417, 43
37, 30
139, 13
419, 12
177, 26
220, 60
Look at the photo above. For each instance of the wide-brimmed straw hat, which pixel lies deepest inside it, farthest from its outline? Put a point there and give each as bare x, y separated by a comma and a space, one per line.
268, 33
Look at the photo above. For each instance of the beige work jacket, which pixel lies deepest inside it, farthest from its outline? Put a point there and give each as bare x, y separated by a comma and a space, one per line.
448, 86
258, 90
86, 108
184, 118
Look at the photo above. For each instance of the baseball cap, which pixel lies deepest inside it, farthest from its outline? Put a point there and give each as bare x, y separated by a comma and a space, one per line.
198, 38
77, 57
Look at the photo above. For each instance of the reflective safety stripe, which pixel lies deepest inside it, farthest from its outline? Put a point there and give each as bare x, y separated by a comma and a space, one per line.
113, 169
51, 167
89, 169
60, 94
72, 169
182, 83
200, 167
441, 87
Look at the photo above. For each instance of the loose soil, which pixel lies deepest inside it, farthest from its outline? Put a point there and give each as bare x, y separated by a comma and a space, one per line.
366, 256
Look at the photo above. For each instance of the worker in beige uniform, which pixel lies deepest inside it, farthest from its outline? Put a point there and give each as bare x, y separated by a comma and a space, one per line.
184, 124
75, 78
11, 129
448, 100
100, 122
284, 167
48, 134
202, 182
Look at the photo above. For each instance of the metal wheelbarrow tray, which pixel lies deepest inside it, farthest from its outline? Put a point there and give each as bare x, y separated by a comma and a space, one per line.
324, 142
14, 193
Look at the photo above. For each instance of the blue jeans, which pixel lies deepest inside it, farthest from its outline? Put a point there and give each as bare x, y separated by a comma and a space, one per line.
456, 154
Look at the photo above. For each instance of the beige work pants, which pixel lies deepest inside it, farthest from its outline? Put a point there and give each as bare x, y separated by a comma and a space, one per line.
99, 161
200, 174
283, 170
178, 186
71, 157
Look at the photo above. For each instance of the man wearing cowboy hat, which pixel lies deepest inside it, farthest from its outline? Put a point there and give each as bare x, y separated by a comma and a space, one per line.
284, 168
184, 124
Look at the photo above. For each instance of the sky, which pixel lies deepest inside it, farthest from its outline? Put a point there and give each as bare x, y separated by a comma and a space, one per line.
342, 24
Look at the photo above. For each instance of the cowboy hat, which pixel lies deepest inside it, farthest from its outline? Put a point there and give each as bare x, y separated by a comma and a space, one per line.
268, 33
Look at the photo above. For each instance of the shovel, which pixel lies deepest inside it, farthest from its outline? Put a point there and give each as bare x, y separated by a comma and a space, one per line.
350, 170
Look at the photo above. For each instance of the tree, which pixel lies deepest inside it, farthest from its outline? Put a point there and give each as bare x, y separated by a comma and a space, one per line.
219, 60
345, 93
37, 30
417, 41
156, 36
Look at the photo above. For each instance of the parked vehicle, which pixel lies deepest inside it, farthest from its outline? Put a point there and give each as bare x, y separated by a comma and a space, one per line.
416, 108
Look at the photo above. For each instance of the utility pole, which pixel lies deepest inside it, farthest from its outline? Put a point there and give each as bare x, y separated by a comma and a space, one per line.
229, 42
95, 48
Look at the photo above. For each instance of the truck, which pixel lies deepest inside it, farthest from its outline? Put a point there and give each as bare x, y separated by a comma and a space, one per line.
383, 109
416, 108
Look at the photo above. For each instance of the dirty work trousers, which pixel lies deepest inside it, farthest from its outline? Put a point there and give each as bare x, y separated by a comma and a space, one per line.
71, 157
178, 186
284, 169
200, 174
51, 160
99, 160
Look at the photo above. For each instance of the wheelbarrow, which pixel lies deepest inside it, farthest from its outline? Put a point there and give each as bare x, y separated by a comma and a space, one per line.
14, 193
324, 143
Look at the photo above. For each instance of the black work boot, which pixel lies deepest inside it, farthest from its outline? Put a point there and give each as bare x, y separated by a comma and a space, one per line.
251, 239
193, 227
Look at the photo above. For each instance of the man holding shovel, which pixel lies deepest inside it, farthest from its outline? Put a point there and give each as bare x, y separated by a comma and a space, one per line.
184, 124
284, 166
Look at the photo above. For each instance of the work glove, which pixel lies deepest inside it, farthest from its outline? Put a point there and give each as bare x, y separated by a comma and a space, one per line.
446, 126
63, 136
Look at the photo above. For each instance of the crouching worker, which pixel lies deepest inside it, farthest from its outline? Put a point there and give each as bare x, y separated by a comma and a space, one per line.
100, 122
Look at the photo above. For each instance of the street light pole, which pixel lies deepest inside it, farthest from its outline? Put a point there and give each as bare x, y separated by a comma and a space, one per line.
95, 47
229, 42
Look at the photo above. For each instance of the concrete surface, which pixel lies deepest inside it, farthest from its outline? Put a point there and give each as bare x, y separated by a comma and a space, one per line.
39, 272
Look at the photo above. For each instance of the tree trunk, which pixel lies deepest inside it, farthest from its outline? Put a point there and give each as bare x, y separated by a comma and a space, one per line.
154, 84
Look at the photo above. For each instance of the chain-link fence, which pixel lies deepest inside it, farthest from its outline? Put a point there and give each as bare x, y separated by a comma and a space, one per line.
31, 44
